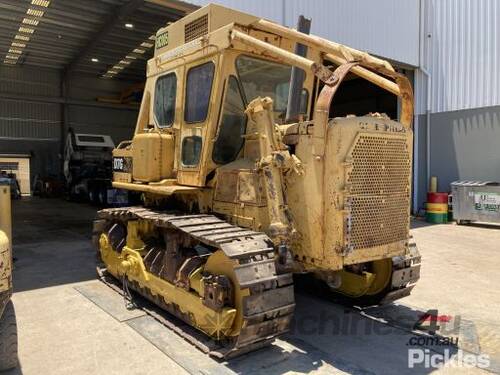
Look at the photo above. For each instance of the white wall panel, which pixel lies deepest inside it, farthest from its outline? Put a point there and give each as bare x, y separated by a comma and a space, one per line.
462, 54
386, 28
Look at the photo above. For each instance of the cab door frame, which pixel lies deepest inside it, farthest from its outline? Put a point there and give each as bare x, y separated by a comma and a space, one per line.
194, 175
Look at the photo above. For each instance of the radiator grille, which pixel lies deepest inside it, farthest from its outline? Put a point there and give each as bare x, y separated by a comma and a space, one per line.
196, 28
379, 191
380, 166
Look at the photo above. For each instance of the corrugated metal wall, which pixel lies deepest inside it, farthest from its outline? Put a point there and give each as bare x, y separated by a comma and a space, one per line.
119, 123
387, 28
28, 126
462, 54
20, 119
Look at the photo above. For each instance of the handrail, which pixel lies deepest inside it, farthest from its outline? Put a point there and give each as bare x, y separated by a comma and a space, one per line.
340, 50
319, 70
323, 103
372, 72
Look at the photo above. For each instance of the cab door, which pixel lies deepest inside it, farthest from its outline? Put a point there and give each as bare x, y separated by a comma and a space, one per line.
200, 109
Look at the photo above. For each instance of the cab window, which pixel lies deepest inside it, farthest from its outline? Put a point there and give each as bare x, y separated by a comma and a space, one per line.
267, 78
191, 150
198, 89
164, 106
232, 125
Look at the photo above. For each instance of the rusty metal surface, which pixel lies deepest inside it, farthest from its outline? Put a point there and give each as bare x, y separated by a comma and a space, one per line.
267, 311
218, 292
323, 103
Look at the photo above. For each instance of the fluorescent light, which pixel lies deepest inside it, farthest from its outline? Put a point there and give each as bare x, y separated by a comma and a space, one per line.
22, 37
129, 25
41, 3
29, 21
32, 18
124, 62
27, 30
93, 59
35, 12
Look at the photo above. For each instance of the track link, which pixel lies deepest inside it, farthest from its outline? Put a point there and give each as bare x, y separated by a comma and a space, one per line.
405, 274
267, 310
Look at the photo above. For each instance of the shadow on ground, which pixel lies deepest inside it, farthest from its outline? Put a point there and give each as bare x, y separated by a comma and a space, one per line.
52, 247
324, 338
51, 243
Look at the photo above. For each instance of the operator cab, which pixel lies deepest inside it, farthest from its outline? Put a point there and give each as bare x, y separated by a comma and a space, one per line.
193, 111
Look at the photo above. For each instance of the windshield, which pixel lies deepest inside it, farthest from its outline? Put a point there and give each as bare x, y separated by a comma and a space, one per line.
266, 78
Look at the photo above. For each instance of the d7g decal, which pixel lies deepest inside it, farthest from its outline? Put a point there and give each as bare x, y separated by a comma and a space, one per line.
162, 40
122, 164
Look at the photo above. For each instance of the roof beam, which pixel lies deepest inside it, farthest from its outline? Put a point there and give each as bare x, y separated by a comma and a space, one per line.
122, 12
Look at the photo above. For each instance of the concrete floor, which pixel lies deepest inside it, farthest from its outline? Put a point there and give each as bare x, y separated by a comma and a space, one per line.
61, 331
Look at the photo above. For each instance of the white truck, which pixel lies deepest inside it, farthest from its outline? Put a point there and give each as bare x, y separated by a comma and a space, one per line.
88, 166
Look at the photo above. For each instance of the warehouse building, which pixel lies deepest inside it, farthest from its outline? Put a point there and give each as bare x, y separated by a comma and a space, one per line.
73, 68
71, 64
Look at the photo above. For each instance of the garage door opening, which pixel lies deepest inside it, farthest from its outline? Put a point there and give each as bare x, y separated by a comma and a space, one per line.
18, 167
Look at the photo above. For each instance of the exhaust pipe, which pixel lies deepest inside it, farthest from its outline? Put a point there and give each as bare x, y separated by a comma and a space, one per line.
297, 77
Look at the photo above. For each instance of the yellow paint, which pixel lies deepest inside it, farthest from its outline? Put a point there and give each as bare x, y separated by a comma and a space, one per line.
368, 283
276, 185
129, 263
437, 208
153, 157
5, 239
220, 264
433, 184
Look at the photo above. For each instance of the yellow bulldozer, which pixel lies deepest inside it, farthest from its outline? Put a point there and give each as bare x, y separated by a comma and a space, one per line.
246, 178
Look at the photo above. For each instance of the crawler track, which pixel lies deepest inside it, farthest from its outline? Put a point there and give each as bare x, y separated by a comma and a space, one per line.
267, 310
